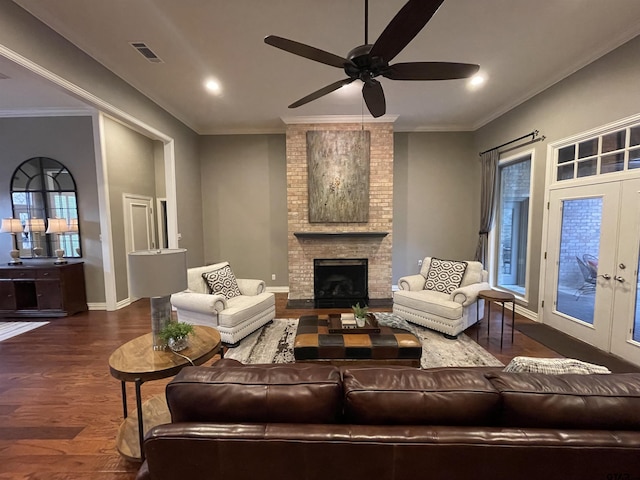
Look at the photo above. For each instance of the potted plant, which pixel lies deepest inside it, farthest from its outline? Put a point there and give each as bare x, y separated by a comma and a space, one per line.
175, 334
360, 313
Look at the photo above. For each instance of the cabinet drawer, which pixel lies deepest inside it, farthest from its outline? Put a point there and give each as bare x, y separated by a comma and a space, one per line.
23, 274
48, 273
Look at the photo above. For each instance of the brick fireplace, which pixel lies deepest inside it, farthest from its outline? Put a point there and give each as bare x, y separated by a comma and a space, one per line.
371, 240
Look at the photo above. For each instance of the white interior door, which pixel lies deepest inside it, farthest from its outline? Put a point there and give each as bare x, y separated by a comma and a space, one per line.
593, 256
139, 227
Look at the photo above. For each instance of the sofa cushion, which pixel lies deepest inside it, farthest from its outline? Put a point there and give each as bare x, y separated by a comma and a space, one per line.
553, 366
242, 308
297, 393
602, 402
222, 281
444, 275
408, 396
429, 302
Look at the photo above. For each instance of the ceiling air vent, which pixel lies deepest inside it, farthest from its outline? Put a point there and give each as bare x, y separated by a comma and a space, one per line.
146, 52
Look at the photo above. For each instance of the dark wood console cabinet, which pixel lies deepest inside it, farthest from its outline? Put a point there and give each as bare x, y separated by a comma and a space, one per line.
42, 290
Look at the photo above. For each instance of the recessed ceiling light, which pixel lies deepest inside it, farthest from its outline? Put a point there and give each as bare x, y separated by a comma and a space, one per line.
477, 81
213, 86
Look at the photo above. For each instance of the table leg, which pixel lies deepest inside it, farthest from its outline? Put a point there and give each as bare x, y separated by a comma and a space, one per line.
502, 326
124, 398
513, 319
487, 304
140, 426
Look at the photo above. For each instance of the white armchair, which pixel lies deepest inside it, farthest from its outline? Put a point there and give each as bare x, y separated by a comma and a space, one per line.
449, 313
235, 317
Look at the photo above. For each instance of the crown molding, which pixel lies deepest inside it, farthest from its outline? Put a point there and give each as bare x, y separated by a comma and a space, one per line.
46, 112
317, 119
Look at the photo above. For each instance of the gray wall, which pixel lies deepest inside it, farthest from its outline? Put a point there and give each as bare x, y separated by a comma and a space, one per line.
602, 92
435, 198
130, 169
24, 34
70, 141
244, 201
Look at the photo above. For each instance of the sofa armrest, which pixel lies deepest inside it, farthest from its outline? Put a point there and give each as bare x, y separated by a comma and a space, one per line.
250, 286
199, 302
411, 282
469, 294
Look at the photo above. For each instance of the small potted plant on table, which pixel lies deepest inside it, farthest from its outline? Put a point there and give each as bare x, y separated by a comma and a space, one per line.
175, 334
360, 313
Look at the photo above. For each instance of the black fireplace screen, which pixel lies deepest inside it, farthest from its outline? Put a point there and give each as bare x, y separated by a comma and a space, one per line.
340, 282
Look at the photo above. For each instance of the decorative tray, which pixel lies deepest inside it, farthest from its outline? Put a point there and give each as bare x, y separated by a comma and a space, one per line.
336, 326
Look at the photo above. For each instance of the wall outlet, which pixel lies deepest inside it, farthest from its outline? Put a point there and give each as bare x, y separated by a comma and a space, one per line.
273, 276
420, 262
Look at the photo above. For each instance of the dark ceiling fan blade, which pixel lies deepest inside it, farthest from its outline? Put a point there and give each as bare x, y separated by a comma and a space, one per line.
430, 71
404, 27
306, 51
323, 91
374, 98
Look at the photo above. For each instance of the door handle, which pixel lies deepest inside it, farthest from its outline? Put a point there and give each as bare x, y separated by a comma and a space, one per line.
606, 276
618, 278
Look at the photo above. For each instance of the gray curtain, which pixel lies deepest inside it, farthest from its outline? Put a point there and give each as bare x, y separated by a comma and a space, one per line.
489, 162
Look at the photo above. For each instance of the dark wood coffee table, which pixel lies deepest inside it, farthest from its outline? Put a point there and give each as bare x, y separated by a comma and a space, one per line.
136, 361
390, 346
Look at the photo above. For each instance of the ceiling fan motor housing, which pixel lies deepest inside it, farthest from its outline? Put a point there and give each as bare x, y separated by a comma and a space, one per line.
363, 66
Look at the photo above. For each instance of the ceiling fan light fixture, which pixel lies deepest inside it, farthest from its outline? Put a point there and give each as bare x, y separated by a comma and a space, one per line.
477, 81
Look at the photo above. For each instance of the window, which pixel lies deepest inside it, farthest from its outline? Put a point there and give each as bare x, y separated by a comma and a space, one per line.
512, 223
615, 151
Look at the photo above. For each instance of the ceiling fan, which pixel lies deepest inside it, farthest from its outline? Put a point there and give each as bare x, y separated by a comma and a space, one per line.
367, 62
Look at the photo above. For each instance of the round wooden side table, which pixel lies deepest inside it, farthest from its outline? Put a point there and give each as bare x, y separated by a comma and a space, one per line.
136, 361
498, 297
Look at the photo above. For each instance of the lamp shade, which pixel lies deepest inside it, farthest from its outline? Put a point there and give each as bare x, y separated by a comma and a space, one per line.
157, 273
11, 225
34, 225
56, 225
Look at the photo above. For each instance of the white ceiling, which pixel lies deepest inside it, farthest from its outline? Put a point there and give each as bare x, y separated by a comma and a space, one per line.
522, 46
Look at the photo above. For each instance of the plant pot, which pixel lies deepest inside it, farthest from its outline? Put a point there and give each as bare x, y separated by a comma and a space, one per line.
178, 344
361, 321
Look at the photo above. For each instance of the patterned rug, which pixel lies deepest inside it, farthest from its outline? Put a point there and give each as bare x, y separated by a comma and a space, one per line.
13, 329
274, 344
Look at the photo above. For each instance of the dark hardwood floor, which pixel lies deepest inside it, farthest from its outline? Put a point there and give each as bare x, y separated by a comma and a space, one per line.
60, 408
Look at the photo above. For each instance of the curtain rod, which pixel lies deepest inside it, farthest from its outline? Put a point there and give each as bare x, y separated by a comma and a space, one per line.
533, 135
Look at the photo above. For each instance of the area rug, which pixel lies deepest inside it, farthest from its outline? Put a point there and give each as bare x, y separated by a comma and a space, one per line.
274, 344
13, 329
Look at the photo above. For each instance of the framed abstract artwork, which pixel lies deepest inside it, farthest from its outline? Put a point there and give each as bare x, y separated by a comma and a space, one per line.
338, 170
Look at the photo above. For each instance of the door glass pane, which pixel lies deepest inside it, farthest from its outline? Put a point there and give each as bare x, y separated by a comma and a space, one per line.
514, 224
613, 141
578, 261
567, 154
635, 136
634, 158
612, 163
587, 168
588, 148
565, 172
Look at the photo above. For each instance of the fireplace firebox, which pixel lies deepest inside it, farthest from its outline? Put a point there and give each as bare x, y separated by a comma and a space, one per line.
340, 282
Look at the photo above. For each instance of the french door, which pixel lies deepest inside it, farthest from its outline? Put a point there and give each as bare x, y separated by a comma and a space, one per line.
591, 287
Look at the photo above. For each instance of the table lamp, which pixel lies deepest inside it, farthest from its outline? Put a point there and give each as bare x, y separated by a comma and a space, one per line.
157, 274
12, 226
73, 228
59, 227
35, 228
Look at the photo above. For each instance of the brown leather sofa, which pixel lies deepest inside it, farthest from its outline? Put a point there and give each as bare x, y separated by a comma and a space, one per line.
318, 422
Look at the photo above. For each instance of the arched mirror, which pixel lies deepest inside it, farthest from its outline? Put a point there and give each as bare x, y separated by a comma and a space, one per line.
43, 197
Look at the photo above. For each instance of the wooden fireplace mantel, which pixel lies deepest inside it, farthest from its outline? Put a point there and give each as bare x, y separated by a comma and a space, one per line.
340, 234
